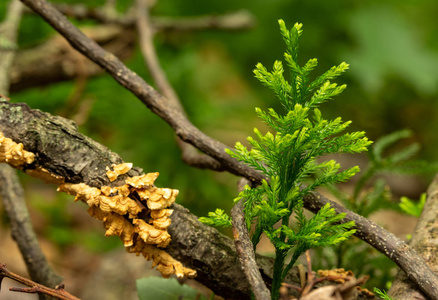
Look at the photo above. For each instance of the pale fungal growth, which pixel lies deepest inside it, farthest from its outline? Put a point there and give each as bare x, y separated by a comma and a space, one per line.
157, 198
143, 181
115, 224
13, 153
151, 235
165, 263
81, 191
161, 218
118, 208
118, 170
118, 204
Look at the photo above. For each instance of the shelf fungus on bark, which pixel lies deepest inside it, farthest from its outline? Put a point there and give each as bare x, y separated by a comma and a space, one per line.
118, 170
119, 207
151, 235
161, 218
13, 153
165, 263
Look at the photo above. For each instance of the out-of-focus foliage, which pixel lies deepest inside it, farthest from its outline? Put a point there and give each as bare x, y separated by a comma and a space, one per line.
370, 194
152, 288
412, 208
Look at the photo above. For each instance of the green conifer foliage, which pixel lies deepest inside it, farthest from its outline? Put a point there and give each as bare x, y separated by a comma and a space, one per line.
287, 156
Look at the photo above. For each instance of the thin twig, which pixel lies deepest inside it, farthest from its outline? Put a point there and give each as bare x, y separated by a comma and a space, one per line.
148, 95
310, 282
245, 250
190, 154
11, 191
373, 234
238, 20
34, 288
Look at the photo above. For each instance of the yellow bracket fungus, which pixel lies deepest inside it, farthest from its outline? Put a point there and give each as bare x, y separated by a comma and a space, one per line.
13, 153
118, 207
118, 170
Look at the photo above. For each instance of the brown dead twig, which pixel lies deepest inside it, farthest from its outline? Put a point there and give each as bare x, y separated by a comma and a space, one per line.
34, 288
245, 249
346, 290
239, 20
405, 257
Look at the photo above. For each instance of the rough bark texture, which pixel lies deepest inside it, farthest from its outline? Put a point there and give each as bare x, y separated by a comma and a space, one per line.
244, 248
425, 241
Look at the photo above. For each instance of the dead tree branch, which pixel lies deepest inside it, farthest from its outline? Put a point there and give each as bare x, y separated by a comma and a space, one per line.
424, 241
239, 20
12, 196
373, 234
190, 154
246, 253
35, 288
245, 250
149, 96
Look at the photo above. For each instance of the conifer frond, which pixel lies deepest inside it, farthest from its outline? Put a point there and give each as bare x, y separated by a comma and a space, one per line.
217, 218
287, 153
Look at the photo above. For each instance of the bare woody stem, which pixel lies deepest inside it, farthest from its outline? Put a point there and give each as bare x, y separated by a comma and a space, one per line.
190, 154
405, 257
35, 288
423, 240
148, 95
245, 250
238, 20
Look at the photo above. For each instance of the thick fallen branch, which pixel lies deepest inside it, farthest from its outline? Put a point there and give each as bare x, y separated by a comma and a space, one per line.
373, 234
424, 241
190, 154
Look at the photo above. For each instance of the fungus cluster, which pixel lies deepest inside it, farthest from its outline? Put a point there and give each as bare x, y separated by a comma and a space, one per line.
119, 209
13, 153
137, 211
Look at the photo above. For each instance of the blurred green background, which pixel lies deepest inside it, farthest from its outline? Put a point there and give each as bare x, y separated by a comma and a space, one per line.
391, 46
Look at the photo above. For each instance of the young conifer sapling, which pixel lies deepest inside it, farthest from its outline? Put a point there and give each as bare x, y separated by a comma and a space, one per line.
288, 157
